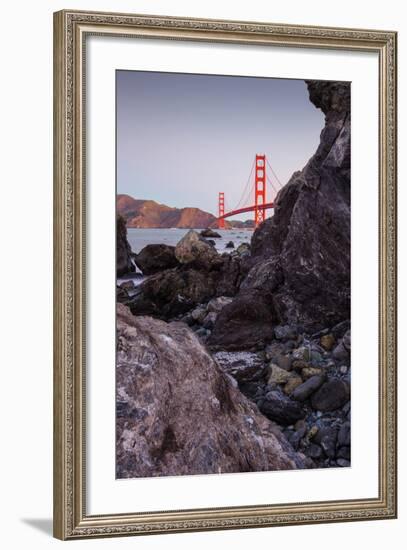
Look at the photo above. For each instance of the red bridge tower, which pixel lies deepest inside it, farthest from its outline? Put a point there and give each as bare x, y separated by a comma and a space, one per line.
221, 210
259, 189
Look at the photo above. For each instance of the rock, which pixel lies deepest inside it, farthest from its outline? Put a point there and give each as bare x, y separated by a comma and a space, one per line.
298, 364
316, 357
346, 408
346, 341
176, 291
310, 372
243, 249
306, 389
179, 415
326, 438
344, 435
276, 352
308, 238
332, 395
230, 244
230, 274
314, 451
301, 354
327, 341
124, 262
339, 330
343, 452
281, 409
217, 304
285, 332
343, 463
251, 389
293, 382
210, 233
340, 353
156, 257
278, 375
198, 314
343, 369
127, 285
209, 320
246, 323
173, 292
312, 432
242, 365
192, 249
301, 426
122, 295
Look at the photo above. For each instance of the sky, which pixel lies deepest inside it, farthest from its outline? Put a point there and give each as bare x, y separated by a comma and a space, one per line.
182, 138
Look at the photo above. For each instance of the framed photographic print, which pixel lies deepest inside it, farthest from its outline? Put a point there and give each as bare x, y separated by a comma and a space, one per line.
225, 274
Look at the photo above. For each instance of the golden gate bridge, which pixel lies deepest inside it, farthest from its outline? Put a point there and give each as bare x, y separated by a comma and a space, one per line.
256, 185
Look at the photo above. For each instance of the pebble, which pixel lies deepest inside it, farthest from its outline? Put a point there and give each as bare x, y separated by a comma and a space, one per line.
307, 388
327, 341
314, 451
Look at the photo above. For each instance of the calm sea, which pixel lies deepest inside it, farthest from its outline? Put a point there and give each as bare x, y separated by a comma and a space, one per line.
139, 238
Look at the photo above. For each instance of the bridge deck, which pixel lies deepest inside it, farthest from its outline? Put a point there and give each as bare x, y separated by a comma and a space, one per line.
265, 206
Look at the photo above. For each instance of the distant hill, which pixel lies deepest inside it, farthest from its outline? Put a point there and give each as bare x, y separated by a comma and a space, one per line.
147, 213
248, 224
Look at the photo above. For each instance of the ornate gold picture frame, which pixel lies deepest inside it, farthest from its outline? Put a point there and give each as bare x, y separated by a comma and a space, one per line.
71, 519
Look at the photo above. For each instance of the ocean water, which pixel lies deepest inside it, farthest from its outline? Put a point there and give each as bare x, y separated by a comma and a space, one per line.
139, 238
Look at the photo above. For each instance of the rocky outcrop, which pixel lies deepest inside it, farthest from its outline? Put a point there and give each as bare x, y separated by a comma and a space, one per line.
177, 413
300, 257
308, 238
155, 257
173, 292
201, 274
210, 234
124, 262
193, 249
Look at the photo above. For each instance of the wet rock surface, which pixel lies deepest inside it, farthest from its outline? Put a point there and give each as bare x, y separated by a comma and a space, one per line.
246, 323
156, 257
124, 263
160, 410
210, 233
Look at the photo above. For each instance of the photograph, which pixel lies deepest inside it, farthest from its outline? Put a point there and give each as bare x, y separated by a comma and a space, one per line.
233, 274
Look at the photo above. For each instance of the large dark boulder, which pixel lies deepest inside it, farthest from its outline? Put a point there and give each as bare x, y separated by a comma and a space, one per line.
210, 233
179, 414
331, 396
173, 292
299, 268
156, 257
281, 409
246, 323
124, 262
308, 238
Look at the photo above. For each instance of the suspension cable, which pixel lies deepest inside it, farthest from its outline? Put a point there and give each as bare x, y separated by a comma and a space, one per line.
272, 184
274, 174
246, 188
